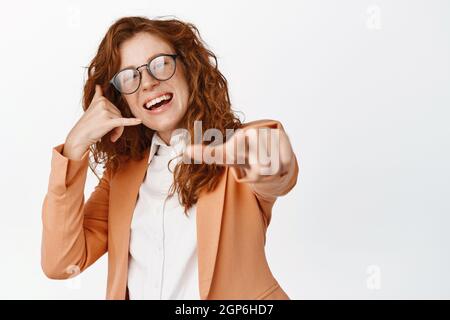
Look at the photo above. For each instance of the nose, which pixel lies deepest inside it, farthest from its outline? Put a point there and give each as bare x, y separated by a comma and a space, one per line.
148, 82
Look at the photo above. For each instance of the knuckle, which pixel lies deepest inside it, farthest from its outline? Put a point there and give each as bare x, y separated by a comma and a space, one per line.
101, 104
104, 112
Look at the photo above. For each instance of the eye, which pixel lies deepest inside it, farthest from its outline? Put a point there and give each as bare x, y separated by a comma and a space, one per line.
159, 65
128, 75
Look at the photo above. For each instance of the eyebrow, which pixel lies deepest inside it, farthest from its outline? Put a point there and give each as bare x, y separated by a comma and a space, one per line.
148, 60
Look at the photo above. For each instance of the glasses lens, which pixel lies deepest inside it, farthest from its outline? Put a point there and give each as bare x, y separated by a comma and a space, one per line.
127, 81
162, 67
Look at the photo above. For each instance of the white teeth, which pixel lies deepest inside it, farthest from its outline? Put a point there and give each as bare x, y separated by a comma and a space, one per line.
152, 102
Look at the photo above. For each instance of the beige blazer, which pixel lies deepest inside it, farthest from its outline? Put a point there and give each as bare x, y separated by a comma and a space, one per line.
231, 227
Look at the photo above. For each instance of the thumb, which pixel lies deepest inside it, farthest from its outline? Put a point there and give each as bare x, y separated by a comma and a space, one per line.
116, 133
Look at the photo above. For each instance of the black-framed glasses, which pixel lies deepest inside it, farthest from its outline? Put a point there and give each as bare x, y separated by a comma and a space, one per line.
162, 68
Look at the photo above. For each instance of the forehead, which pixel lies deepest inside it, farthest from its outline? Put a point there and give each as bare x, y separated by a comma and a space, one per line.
140, 48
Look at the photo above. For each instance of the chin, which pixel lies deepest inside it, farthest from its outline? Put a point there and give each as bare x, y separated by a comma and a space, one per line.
165, 120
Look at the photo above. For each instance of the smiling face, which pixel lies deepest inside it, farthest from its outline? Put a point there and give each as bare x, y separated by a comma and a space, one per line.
139, 50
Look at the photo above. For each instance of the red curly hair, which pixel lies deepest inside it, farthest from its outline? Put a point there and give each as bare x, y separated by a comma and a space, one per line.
208, 101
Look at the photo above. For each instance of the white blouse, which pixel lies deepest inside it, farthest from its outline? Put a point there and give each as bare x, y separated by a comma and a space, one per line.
163, 261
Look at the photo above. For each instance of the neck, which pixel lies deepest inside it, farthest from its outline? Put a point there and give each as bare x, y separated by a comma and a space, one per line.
165, 136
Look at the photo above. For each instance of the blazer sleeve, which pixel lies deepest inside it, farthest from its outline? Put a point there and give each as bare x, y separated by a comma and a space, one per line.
75, 233
267, 192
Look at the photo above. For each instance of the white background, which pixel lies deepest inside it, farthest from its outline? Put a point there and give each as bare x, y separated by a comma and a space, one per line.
362, 88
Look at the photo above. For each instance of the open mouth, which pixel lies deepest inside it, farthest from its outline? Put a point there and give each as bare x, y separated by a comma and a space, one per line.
158, 102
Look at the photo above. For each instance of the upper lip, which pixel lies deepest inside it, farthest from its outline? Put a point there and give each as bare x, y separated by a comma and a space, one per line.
156, 96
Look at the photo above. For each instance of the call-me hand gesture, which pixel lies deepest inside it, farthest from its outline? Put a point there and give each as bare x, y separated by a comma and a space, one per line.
100, 118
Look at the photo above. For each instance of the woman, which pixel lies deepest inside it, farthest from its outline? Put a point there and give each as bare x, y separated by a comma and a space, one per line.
177, 221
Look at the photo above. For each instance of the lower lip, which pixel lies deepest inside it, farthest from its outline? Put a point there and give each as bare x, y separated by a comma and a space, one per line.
163, 108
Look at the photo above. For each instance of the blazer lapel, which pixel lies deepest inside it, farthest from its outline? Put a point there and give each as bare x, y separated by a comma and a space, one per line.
123, 194
209, 218
124, 191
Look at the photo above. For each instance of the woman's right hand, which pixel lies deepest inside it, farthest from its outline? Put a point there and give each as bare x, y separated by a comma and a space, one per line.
100, 118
